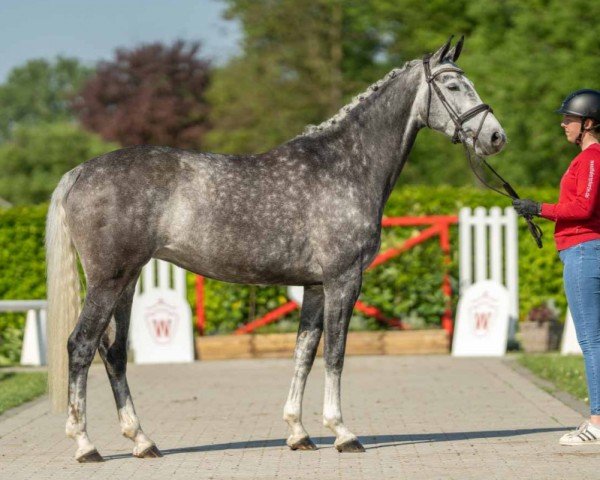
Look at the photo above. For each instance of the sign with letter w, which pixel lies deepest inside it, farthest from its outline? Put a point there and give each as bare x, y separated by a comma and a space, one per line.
482, 321
161, 319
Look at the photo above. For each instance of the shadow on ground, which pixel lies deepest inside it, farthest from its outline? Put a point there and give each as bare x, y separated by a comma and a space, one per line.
370, 442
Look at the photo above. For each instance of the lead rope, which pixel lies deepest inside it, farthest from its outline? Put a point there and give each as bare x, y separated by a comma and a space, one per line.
534, 229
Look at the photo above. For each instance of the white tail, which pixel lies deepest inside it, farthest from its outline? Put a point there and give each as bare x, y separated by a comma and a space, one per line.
63, 293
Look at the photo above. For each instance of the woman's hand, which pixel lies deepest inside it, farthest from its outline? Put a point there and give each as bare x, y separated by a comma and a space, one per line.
526, 207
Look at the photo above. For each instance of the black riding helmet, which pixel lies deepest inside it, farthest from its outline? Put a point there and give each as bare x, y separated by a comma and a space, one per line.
583, 103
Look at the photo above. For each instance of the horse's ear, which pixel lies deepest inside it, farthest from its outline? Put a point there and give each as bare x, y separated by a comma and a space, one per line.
441, 53
454, 52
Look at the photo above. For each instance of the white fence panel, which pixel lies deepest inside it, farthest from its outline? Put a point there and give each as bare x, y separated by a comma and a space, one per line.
488, 250
163, 275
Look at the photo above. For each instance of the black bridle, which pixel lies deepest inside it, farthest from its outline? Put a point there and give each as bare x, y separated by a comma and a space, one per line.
458, 120
460, 135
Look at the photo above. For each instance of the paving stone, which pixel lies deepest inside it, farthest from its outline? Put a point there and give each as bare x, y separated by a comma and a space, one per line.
419, 417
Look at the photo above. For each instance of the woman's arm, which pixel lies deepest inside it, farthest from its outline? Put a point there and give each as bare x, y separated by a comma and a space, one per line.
587, 185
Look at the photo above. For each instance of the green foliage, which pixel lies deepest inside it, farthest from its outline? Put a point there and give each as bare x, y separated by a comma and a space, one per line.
37, 155
22, 253
40, 91
228, 306
301, 63
289, 75
567, 373
525, 57
12, 326
18, 388
23, 271
407, 287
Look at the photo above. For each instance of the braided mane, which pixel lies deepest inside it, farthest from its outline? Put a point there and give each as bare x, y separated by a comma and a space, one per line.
357, 100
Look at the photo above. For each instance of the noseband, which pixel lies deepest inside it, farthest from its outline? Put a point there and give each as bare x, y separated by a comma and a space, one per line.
458, 120
460, 136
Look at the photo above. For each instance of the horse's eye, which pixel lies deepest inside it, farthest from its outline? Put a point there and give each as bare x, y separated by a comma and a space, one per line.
454, 87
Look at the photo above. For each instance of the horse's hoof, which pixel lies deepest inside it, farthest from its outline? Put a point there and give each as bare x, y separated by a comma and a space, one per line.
350, 446
91, 457
303, 444
151, 452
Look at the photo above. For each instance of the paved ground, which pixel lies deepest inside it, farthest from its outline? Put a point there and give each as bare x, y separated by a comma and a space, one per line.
419, 418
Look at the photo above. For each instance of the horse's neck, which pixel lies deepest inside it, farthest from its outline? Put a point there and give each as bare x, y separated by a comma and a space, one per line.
385, 132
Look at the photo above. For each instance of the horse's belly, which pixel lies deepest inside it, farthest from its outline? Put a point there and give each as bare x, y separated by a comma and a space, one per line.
249, 266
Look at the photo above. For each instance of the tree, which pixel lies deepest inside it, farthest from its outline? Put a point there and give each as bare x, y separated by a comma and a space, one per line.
290, 74
150, 94
39, 91
527, 58
36, 156
301, 62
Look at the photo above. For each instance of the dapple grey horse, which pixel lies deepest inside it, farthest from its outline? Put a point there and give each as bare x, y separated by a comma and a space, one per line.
307, 213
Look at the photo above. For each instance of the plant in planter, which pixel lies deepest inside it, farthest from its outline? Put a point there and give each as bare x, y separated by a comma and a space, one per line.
540, 332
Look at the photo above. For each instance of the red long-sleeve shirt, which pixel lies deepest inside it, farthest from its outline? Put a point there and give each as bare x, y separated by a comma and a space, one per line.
577, 213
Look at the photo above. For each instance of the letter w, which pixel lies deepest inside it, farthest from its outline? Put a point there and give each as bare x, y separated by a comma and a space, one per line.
481, 320
162, 328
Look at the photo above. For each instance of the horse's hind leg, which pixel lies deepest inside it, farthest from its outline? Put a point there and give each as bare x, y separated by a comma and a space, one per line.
83, 342
309, 334
113, 350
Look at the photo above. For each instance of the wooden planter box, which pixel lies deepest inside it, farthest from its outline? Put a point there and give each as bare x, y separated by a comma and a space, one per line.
281, 345
540, 337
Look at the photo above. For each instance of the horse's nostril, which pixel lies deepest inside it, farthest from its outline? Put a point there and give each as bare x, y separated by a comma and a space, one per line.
497, 138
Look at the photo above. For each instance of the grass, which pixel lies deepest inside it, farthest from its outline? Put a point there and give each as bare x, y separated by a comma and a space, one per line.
18, 388
567, 373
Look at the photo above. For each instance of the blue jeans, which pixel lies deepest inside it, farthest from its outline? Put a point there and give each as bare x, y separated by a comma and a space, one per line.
581, 277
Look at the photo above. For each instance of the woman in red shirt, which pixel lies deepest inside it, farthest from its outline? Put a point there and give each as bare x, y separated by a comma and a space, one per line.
577, 235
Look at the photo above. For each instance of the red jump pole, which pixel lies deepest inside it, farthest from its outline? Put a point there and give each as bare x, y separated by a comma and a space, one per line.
376, 313
447, 323
407, 245
270, 317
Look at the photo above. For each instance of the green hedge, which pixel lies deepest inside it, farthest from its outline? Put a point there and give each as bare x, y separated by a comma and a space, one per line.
22, 271
406, 287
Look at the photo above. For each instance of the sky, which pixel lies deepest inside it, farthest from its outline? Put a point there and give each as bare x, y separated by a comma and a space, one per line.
90, 30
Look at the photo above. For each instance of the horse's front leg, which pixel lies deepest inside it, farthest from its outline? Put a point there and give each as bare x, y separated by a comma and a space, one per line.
340, 295
309, 334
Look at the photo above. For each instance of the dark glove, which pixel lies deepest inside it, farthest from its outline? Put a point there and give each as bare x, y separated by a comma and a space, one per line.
527, 208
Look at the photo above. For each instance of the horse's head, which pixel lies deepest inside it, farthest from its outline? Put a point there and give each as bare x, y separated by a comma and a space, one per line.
449, 103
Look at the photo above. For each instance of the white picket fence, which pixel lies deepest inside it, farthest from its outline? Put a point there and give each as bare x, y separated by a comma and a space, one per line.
488, 250
161, 274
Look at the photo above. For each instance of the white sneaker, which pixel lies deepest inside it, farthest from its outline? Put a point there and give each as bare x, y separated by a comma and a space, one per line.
586, 434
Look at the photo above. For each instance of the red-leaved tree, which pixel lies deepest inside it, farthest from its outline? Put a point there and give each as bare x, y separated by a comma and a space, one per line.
153, 94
